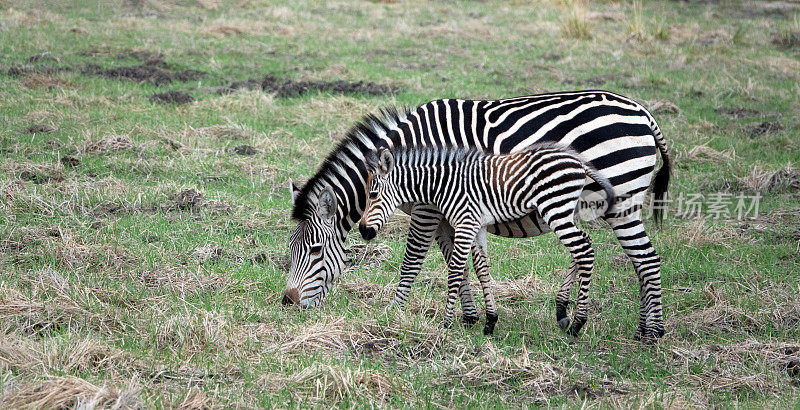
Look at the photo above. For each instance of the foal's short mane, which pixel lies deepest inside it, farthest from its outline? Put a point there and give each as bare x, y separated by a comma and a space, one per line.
370, 131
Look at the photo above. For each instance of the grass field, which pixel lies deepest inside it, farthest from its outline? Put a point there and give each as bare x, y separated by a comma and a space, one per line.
146, 148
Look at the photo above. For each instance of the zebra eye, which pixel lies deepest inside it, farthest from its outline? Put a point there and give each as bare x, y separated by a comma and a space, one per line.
316, 249
373, 194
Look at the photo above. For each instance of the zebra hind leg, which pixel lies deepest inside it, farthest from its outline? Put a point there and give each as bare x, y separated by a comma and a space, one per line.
444, 237
631, 235
562, 297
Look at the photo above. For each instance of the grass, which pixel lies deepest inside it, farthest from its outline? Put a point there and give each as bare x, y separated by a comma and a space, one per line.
143, 244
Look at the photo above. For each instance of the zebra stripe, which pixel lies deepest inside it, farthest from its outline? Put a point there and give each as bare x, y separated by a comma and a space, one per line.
614, 134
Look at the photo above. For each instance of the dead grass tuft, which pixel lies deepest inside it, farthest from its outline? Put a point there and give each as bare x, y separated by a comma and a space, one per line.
225, 30
760, 180
70, 392
574, 25
705, 153
369, 256
521, 289
195, 399
107, 144
45, 81
221, 132
662, 107
323, 382
698, 233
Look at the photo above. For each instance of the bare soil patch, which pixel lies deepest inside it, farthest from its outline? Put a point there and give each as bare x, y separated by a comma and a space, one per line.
289, 88
40, 129
736, 113
156, 71
787, 40
191, 199
171, 97
246, 150
763, 129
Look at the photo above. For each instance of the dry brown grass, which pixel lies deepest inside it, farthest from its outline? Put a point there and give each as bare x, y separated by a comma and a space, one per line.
110, 143
762, 180
574, 24
705, 153
320, 383
698, 233
70, 392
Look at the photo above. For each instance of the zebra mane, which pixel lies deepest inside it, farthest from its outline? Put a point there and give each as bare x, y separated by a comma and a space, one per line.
362, 139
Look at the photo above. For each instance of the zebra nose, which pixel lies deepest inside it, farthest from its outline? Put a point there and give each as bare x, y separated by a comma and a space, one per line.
367, 233
290, 296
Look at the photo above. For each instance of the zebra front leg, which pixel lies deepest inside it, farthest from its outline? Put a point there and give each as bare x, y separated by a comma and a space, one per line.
462, 242
444, 237
562, 297
423, 226
480, 260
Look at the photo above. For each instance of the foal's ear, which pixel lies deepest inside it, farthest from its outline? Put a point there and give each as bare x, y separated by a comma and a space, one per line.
385, 161
294, 190
326, 207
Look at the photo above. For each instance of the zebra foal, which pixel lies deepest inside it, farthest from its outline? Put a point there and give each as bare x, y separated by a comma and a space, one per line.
473, 190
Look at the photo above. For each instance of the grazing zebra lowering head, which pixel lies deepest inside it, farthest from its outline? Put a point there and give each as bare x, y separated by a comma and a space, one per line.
474, 189
614, 134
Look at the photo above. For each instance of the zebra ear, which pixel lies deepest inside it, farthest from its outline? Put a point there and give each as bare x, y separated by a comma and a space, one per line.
294, 190
385, 162
326, 207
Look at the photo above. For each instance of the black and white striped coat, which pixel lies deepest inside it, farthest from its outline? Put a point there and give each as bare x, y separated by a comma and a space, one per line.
614, 134
474, 189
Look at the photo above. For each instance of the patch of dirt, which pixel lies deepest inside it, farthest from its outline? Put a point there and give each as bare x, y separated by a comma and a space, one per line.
40, 129
289, 88
171, 97
787, 40
69, 161
156, 71
245, 150
368, 256
765, 128
736, 113
191, 199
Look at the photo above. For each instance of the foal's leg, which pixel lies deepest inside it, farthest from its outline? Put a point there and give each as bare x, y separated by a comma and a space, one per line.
424, 224
444, 237
462, 242
480, 261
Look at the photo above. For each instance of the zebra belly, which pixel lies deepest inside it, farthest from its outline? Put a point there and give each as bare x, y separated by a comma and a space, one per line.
528, 226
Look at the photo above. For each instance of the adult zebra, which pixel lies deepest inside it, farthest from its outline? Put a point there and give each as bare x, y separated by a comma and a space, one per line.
616, 135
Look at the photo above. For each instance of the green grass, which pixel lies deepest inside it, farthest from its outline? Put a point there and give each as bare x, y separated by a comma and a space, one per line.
109, 288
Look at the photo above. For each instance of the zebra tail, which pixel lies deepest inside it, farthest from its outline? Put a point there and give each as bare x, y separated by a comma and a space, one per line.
661, 181
611, 197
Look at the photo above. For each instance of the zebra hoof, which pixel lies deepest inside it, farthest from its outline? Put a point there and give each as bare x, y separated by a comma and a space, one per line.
649, 336
470, 320
563, 323
491, 320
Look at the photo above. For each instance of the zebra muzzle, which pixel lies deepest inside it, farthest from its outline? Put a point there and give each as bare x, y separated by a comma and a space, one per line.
367, 233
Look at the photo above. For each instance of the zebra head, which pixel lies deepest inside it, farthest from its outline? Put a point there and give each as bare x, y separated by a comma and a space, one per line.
317, 252
383, 198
